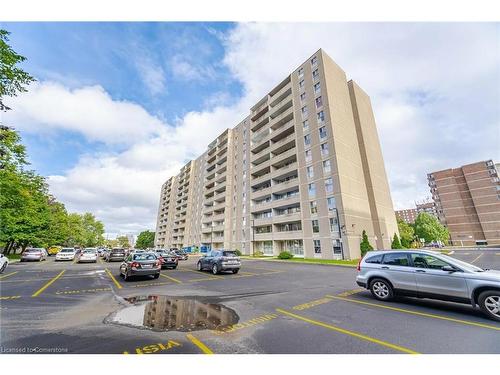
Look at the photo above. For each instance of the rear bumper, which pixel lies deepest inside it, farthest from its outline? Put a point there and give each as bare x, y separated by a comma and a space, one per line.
33, 257
65, 258
144, 272
169, 264
87, 260
361, 284
230, 266
111, 259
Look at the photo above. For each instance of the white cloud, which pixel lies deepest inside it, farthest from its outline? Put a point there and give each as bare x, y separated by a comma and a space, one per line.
152, 74
184, 69
434, 90
89, 110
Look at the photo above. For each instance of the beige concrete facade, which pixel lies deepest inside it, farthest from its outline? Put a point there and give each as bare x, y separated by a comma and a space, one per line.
468, 202
303, 172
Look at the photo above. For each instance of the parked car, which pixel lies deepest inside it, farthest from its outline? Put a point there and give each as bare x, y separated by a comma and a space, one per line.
88, 255
4, 262
429, 274
141, 264
167, 259
181, 254
53, 250
219, 260
115, 254
34, 253
103, 252
66, 253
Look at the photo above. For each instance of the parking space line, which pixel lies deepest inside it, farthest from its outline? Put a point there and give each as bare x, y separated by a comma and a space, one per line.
199, 273
171, 278
479, 256
81, 291
9, 297
199, 344
348, 332
427, 315
39, 291
351, 292
9, 274
118, 285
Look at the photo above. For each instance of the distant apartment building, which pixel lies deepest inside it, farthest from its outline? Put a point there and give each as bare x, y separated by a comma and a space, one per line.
303, 172
428, 207
468, 202
408, 216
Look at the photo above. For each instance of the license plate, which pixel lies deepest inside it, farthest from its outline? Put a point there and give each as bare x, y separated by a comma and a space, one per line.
146, 265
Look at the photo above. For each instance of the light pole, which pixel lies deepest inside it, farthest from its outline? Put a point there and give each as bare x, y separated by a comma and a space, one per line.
253, 236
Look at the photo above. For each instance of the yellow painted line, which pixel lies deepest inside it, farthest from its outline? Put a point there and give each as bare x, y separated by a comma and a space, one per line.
349, 333
248, 273
39, 291
199, 344
479, 256
118, 285
427, 315
311, 304
83, 291
10, 297
171, 278
351, 292
9, 274
200, 273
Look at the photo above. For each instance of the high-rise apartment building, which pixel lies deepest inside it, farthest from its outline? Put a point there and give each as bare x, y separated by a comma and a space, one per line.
410, 214
303, 172
468, 202
407, 215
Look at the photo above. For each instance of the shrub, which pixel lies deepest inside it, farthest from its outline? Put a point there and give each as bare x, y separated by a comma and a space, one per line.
238, 252
258, 253
365, 245
285, 255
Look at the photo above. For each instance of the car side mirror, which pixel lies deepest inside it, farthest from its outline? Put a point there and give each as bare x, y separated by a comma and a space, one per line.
449, 269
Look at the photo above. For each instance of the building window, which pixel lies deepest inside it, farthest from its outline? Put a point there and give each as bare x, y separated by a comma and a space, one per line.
334, 225
326, 166
310, 172
314, 61
314, 207
312, 189
324, 149
315, 226
330, 202
322, 133
337, 247
307, 139
308, 155
317, 246
319, 102
316, 74
304, 111
329, 185
305, 125
301, 84
321, 117
317, 88
303, 97
301, 72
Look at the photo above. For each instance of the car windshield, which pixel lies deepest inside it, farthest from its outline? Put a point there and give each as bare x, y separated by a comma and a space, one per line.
462, 264
144, 257
67, 250
89, 251
229, 254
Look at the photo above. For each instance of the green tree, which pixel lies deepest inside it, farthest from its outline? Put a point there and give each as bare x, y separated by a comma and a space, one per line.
92, 231
365, 245
145, 240
13, 79
123, 241
395, 242
407, 234
428, 227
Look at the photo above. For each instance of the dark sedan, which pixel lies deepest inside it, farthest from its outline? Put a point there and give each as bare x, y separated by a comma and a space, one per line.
142, 264
219, 260
167, 259
181, 254
114, 254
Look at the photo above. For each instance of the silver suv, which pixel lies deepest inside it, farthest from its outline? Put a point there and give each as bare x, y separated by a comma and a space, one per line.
428, 274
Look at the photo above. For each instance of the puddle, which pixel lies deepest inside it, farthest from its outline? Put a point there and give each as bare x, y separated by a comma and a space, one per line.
163, 313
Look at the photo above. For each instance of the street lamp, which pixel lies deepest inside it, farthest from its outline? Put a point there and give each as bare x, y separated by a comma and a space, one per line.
253, 236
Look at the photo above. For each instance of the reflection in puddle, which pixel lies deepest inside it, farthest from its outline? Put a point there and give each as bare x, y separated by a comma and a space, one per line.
162, 313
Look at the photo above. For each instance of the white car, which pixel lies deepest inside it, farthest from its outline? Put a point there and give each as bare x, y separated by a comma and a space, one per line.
66, 253
88, 255
4, 262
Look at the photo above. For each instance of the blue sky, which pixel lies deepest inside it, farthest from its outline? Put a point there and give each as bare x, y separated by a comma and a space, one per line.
120, 107
108, 54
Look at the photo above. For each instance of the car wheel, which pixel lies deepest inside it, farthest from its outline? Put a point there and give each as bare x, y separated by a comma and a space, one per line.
235, 271
381, 290
215, 269
489, 301
3, 267
198, 266
157, 275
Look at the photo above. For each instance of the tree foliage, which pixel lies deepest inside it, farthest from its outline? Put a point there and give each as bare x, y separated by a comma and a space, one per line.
123, 241
407, 234
13, 79
396, 244
365, 245
428, 227
145, 240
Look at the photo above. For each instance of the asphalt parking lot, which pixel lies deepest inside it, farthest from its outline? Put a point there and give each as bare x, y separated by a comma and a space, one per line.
269, 307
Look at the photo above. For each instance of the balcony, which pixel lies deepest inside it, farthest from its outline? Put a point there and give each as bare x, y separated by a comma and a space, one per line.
279, 160
206, 230
285, 168
260, 124
285, 184
262, 206
283, 132
286, 200
283, 118
283, 218
287, 235
260, 111
260, 179
261, 193
281, 108
283, 143
260, 136
218, 228
281, 95
218, 206
262, 221
256, 156
262, 236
